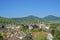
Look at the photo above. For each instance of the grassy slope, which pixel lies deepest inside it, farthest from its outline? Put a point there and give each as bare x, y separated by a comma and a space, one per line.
40, 35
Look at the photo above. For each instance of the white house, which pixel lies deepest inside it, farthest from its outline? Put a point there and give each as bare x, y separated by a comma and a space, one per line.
30, 27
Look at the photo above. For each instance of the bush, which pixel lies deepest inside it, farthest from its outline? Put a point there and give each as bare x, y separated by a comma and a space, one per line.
57, 35
1, 38
35, 30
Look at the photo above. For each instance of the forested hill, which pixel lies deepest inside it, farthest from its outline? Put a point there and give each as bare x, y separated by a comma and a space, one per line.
52, 18
29, 19
4, 20
34, 19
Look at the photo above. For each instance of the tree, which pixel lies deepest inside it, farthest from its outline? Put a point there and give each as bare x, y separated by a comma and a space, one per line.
1, 38
57, 35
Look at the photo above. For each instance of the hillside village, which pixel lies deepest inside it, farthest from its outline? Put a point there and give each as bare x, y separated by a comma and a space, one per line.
28, 28
19, 32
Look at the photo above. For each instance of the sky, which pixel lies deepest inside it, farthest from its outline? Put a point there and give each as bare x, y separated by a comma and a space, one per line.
22, 8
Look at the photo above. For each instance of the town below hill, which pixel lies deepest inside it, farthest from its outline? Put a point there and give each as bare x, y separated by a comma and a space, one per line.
30, 28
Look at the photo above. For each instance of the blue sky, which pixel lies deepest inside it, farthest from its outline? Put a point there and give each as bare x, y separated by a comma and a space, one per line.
22, 8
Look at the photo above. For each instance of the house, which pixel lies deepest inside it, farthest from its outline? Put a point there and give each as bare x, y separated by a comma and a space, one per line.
8, 26
14, 38
21, 36
47, 28
42, 26
30, 27
26, 26
35, 26
12, 26
5, 38
2, 26
8, 33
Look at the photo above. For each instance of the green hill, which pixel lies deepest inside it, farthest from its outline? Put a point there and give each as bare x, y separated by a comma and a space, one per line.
52, 18
6, 21
29, 20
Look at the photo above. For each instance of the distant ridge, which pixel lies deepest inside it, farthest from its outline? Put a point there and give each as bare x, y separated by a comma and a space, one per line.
34, 19
29, 19
51, 18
